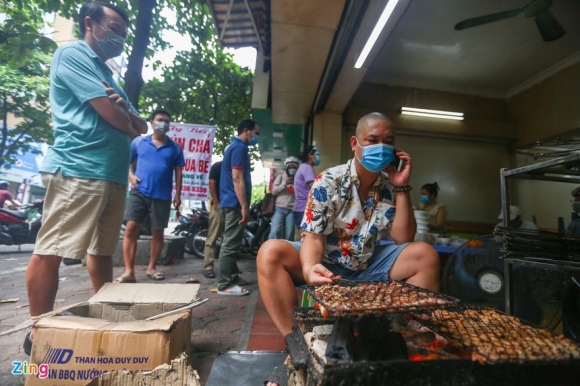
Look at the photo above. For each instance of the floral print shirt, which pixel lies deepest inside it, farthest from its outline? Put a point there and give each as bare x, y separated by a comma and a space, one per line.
334, 209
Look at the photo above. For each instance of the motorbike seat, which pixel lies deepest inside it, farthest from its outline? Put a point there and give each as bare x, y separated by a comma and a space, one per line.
15, 213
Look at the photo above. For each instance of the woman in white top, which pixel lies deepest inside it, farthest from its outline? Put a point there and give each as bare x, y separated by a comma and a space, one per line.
436, 212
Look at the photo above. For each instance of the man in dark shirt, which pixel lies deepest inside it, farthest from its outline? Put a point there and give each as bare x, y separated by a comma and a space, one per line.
235, 194
216, 220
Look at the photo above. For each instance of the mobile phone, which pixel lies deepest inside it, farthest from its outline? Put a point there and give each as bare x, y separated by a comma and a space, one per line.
397, 163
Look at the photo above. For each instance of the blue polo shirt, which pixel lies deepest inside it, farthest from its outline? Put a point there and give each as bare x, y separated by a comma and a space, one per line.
155, 166
85, 145
237, 156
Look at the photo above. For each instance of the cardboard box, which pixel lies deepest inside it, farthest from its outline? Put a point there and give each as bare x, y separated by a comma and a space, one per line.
109, 333
178, 373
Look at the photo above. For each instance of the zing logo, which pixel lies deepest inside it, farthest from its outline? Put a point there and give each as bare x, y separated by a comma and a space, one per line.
24, 368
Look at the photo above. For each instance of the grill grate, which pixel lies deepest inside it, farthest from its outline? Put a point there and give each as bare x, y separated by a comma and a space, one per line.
494, 337
376, 297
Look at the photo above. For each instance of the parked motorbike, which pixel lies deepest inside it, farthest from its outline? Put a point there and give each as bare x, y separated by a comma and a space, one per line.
16, 229
195, 228
257, 229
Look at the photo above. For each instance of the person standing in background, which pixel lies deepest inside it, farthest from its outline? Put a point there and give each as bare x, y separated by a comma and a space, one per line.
303, 181
283, 190
235, 195
216, 221
155, 159
85, 170
436, 212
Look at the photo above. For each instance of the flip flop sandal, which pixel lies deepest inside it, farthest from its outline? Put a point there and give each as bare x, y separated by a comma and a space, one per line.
209, 273
279, 376
235, 290
123, 279
27, 345
155, 275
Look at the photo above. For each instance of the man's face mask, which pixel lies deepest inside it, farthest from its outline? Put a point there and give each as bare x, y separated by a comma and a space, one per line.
112, 44
161, 126
376, 157
254, 140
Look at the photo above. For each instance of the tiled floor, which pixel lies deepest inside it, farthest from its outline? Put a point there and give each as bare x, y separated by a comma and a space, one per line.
264, 335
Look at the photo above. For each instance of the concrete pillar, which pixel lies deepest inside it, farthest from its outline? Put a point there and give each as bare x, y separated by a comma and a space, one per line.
328, 137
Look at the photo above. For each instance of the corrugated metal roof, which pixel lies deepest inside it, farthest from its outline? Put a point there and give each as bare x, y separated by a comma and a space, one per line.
242, 23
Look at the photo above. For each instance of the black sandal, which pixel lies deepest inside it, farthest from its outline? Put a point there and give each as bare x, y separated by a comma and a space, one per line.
209, 273
27, 345
279, 376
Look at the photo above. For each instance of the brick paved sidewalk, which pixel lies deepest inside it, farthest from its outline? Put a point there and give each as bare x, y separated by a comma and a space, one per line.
221, 324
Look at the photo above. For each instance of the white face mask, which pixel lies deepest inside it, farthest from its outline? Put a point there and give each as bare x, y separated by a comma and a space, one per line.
162, 127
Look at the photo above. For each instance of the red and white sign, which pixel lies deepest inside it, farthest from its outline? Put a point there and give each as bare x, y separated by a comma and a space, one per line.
197, 144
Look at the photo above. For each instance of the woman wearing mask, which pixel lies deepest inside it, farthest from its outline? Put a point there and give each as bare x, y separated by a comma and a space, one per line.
302, 183
436, 212
283, 189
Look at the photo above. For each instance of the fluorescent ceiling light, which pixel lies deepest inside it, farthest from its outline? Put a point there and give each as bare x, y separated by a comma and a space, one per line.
376, 32
432, 113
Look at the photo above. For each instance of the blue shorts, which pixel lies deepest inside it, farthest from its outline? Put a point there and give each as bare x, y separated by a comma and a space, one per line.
379, 264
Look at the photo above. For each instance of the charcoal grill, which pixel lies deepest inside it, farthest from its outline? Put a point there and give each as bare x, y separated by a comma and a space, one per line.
403, 346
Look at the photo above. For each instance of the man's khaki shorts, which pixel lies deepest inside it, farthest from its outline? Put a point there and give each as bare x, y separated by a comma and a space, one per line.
80, 216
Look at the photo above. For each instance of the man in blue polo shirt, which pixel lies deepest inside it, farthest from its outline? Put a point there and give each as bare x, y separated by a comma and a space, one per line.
85, 171
235, 196
154, 161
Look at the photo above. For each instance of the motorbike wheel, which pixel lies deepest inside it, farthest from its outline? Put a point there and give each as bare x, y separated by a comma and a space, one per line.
196, 242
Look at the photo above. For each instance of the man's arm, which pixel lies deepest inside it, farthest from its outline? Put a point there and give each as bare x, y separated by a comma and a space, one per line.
240, 189
404, 224
311, 254
115, 110
214, 193
133, 179
178, 180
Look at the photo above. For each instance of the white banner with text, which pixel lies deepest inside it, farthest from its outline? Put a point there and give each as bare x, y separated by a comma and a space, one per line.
197, 144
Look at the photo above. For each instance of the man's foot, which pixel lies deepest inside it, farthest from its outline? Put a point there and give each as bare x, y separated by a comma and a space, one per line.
125, 279
234, 290
209, 273
278, 376
155, 275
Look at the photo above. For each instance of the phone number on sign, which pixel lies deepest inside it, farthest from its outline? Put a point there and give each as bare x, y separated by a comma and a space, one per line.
195, 189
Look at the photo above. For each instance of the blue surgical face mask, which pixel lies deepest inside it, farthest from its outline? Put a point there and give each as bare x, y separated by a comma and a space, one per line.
424, 199
317, 160
254, 140
112, 44
376, 157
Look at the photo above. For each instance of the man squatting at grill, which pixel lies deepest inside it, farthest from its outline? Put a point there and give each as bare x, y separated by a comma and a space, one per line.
347, 206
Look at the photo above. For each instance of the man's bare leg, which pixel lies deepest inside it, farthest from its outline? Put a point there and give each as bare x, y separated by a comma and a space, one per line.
278, 264
132, 229
42, 283
418, 264
100, 270
156, 248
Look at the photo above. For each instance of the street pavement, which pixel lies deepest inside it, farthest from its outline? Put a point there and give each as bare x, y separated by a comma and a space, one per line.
221, 324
